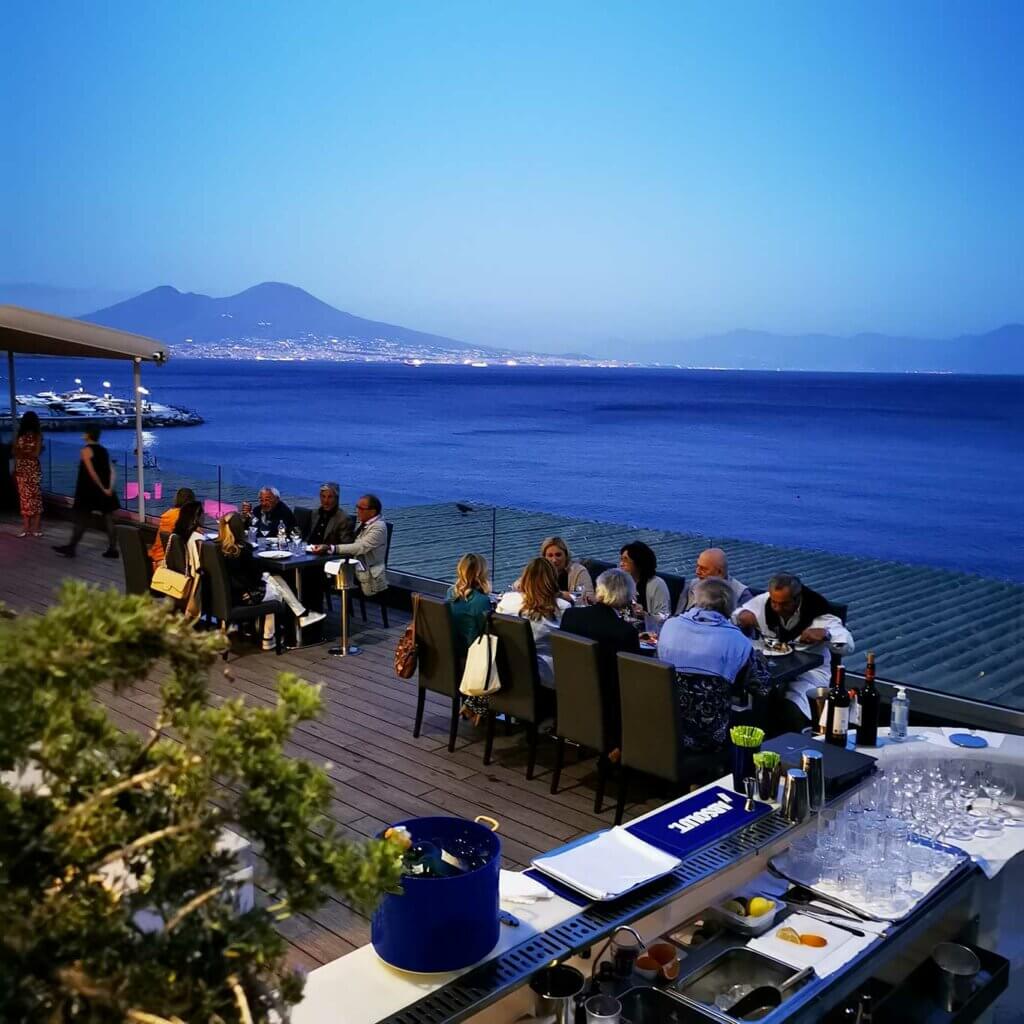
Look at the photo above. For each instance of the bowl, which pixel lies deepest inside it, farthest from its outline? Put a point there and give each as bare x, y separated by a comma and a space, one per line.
747, 925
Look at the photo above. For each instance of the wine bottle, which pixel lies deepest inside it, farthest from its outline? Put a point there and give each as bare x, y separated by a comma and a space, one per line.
838, 718
867, 730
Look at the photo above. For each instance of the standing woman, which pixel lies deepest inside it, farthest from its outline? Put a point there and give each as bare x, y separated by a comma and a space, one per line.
27, 474
470, 605
641, 563
94, 492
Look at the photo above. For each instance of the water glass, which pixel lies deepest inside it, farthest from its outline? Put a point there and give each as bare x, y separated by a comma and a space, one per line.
879, 889
852, 881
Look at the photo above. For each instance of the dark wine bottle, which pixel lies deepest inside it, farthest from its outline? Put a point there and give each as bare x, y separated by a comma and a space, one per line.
867, 730
838, 715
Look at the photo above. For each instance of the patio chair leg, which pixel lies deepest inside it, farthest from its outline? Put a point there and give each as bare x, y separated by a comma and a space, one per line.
531, 735
602, 780
279, 635
620, 807
362, 608
384, 615
224, 633
453, 731
559, 755
421, 701
489, 742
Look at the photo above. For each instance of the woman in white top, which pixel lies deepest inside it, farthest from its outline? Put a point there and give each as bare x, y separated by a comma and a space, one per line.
188, 528
536, 599
640, 562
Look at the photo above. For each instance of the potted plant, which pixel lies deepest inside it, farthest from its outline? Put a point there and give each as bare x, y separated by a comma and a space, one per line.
117, 898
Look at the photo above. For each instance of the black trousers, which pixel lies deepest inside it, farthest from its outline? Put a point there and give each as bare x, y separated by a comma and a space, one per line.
83, 520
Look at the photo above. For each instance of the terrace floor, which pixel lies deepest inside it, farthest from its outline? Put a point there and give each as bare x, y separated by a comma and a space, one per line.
381, 773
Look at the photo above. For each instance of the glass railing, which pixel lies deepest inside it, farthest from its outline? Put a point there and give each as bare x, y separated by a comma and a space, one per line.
932, 629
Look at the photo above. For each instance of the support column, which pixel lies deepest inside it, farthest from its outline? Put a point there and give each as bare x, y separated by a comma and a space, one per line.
136, 387
14, 402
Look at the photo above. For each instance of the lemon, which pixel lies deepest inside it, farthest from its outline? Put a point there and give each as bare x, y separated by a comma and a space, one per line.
759, 905
788, 935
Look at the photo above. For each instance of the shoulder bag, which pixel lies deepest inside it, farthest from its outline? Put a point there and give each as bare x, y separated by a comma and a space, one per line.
173, 584
405, 652
480, 676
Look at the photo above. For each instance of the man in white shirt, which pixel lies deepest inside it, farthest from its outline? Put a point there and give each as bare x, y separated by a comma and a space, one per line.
794, 613
369, 546
713, 564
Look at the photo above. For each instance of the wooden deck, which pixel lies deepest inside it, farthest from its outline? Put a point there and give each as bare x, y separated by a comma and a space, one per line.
381, 773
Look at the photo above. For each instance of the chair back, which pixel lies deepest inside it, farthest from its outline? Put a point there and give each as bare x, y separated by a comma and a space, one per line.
595, 566
437, 656
650, 716
676, 585
174, 554
387, 549
517, 668
303, 520
217, 592
578, 685
134, 559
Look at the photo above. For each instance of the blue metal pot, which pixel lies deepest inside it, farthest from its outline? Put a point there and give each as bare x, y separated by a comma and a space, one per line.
442, 924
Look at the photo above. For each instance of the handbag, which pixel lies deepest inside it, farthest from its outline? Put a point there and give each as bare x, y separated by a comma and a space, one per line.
480, 676
173, 584
406, 654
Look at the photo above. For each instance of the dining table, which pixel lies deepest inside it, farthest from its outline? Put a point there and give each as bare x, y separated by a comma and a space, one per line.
304, 572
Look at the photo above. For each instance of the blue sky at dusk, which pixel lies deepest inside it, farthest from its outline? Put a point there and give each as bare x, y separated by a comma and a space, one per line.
550, 174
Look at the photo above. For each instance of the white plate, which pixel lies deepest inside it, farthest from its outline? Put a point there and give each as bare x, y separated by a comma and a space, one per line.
777, 653
800, 956
273, 554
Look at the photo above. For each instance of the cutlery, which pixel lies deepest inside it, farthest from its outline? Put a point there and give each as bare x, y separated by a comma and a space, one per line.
834, 921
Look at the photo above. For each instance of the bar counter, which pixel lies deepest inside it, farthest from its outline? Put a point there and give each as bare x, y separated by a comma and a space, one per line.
360, 989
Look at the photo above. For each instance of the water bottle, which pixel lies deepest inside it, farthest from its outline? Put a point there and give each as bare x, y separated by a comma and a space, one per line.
900, 715
282, 537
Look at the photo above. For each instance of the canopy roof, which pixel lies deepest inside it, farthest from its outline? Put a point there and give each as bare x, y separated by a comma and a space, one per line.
40, 334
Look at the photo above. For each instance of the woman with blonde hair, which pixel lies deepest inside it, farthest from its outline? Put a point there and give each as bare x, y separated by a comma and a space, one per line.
249, 583
574, 582
536, 599
470, 605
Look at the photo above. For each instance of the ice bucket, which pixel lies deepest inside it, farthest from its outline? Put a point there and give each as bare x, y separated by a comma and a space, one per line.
442, 924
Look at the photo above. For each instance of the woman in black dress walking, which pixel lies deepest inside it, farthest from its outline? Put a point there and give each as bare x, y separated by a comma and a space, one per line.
94, 492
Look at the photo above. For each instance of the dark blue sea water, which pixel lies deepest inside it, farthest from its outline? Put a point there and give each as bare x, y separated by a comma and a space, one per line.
918, 468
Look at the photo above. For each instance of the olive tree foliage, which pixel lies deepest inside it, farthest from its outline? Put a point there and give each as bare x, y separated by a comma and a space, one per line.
115, 902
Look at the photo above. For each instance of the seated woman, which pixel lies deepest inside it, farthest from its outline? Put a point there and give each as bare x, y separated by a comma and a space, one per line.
573, 577
716, 665
166, 525
249, 583
188, 529
470, 605
641, 563
603, 622
536, 599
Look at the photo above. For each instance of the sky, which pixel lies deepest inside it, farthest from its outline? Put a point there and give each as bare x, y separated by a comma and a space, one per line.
553, 175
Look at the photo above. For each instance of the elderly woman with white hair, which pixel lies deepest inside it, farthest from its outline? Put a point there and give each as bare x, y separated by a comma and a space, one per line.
717, 668
602, 621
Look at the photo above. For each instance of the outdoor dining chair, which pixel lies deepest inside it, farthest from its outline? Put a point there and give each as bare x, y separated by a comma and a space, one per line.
134, 559
440, 668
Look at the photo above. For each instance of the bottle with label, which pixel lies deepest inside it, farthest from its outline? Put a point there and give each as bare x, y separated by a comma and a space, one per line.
837, 715
900, 715
867, 729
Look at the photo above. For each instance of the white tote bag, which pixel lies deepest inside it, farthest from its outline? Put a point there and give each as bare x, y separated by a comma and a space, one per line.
480, 676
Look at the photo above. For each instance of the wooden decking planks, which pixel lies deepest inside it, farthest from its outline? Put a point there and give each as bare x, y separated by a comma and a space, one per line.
380, 772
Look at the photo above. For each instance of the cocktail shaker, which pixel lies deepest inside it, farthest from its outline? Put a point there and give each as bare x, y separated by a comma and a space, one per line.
795, 796
813, 765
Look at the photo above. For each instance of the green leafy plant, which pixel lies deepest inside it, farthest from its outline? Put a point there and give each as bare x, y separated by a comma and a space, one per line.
116, 899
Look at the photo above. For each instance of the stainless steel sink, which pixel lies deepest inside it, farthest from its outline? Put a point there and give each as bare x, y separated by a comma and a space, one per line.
736, 966
653, 1006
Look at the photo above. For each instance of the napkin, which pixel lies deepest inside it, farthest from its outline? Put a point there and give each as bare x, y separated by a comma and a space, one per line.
516, 887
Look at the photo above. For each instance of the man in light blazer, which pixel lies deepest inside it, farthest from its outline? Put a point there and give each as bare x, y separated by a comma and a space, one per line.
369, 546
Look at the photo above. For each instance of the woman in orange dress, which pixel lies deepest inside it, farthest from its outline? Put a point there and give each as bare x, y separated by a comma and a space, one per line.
27, 474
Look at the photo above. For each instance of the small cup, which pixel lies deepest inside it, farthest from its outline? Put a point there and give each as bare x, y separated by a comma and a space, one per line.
603, 1009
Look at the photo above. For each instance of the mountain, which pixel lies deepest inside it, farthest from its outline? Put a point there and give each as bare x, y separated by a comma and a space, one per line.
996, 352
268, 311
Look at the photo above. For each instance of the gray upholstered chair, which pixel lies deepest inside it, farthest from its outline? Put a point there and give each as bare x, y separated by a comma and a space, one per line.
438, 660
134, 559
303, 520
218, 603
378, 599
651, 733
521, 695
581, 716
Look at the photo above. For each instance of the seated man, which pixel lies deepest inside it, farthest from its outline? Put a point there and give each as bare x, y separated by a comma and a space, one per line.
330, 524
269, 513
711, 562
369, 545
791, 612
716, 665
603, 622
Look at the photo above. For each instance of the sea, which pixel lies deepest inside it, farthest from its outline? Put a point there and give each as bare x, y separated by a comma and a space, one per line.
919, 468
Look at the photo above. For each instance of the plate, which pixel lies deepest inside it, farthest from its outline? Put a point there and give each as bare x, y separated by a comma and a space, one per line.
965, 739
799, 955
273, 554
777, 652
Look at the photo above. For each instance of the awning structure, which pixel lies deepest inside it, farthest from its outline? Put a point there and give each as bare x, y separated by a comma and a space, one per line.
30, 332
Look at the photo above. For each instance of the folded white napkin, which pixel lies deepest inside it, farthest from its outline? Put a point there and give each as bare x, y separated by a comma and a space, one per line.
515, 887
